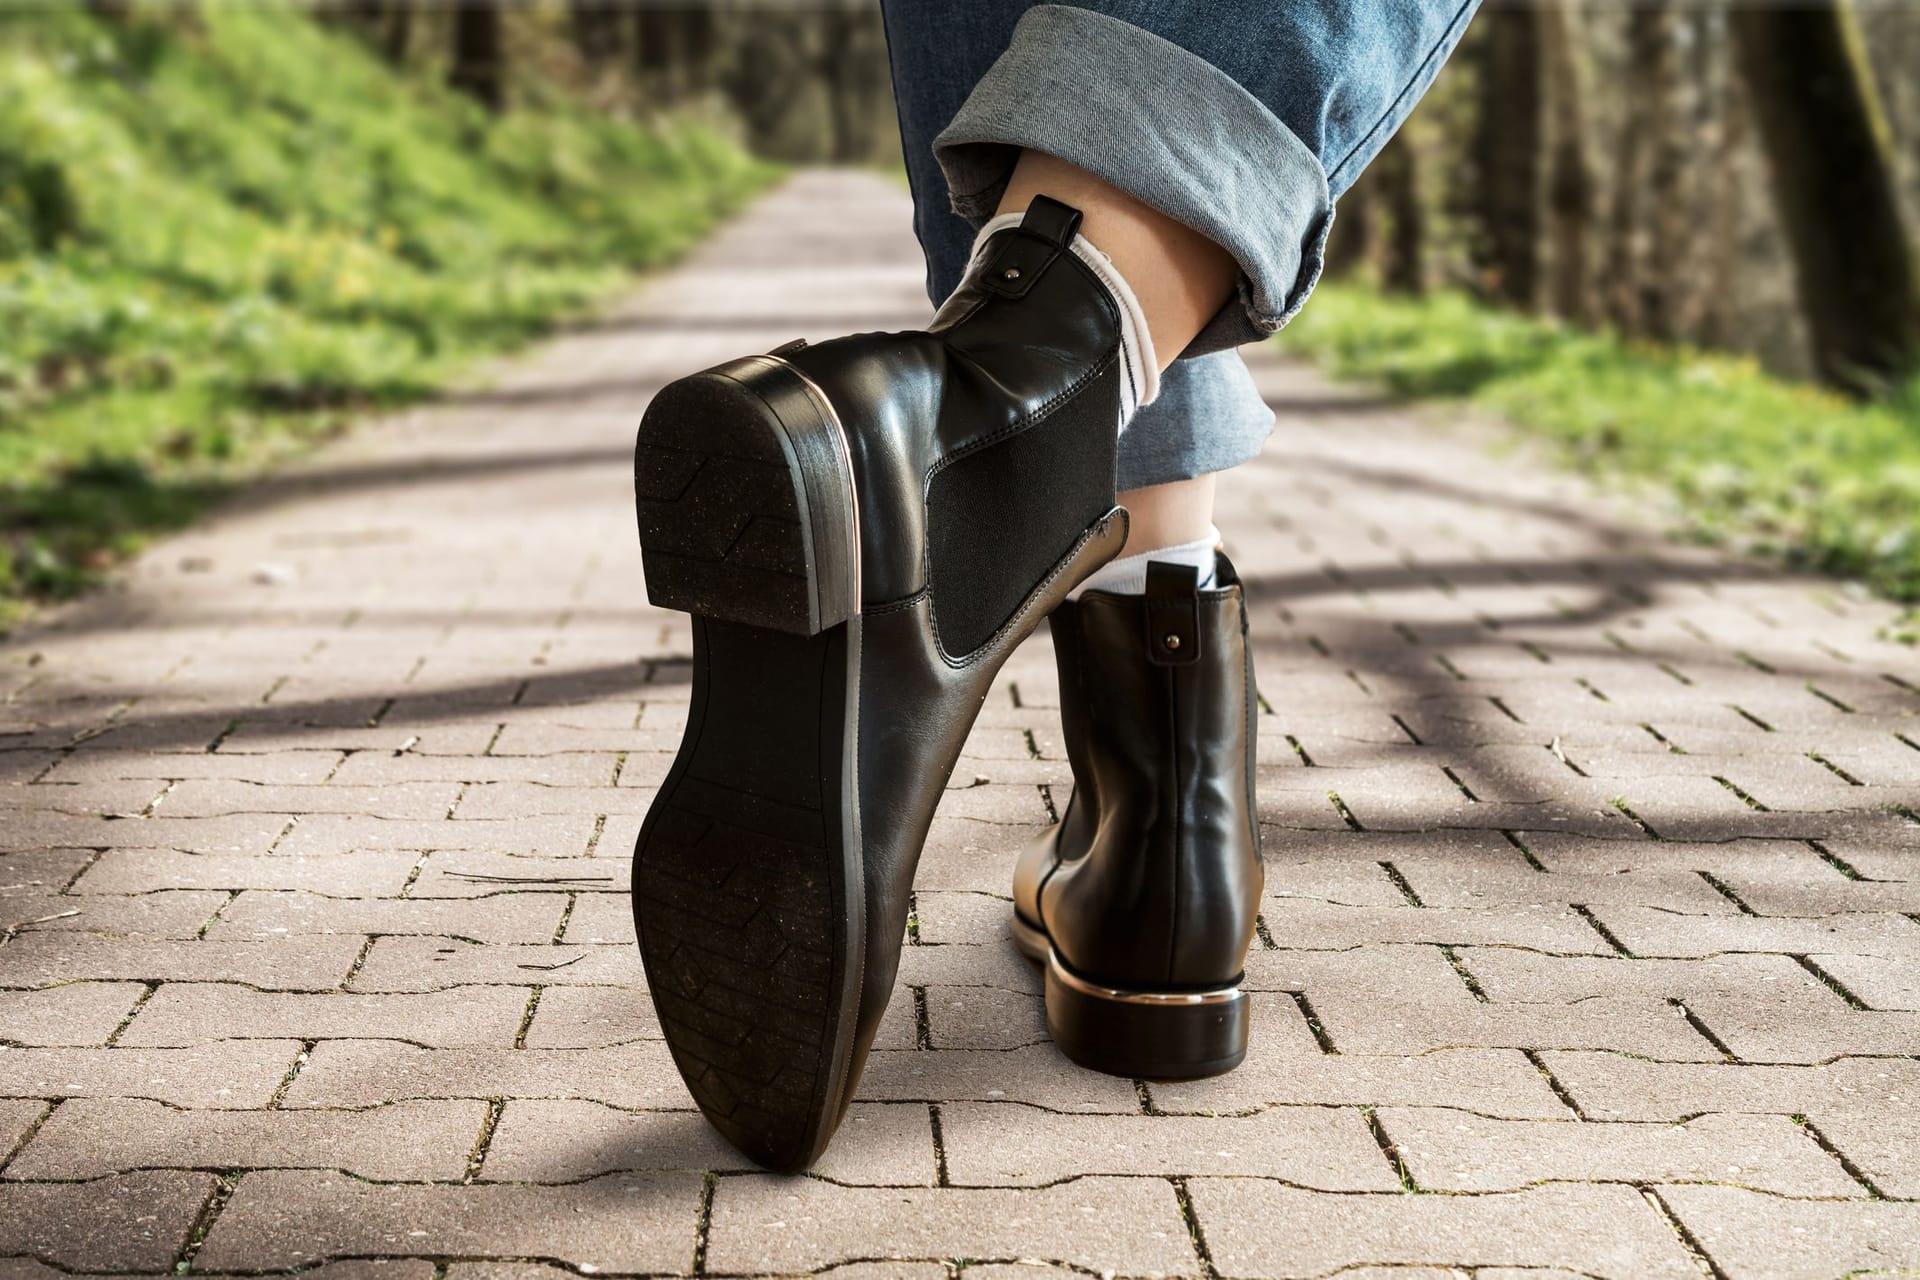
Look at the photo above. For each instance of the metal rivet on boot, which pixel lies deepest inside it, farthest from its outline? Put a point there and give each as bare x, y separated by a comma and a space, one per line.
1172, 642
1011, 273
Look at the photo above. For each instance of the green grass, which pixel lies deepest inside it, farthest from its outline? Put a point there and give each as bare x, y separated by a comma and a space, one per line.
225, 231
1749, 459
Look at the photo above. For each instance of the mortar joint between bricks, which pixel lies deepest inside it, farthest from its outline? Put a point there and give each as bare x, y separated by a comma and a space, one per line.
1390, 1150
1607, 935
1832, 983
483, 1142
224, 1184
139, 1003
1558, 1089
1688, 1241
526, 1016
1705, 1032
703, 1221
1195, 1234
922, 1020
27, 1135
1401, 883
940, 1175
1840, 1157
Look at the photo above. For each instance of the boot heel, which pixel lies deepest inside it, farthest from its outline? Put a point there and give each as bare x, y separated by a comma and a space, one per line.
1145, 1035
745, 497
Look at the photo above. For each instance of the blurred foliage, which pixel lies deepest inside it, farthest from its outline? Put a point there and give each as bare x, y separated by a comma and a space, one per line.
224, 227
1773, 466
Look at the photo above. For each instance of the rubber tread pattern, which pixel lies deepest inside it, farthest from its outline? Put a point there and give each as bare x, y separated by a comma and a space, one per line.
738, 893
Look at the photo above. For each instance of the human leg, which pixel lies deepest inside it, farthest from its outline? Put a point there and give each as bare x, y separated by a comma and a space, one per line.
865, 528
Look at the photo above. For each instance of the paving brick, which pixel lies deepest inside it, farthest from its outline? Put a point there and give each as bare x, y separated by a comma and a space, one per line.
1613, 1086
1454, 1150
134, 1222
995, 965
332, 833
591, 1018
258, 915
232, 1073
1298, 923
18, 1116
1816, 1030
964, 918
239, 834
1038, 1074
408, 1141
515, 800
122, 799
1654, 931
253, 737
984, 1018
1594, 1230
283, 767
568, 1141
435, 964
625, 1222
75, 1013
601, 917
364, 1073
303, 964
379, 768
39, 873
211, 797
475, 873
1773, 981
763, 1224
164, 913
1443, 883
1492, 1081
1768, 1238
182, 1014
1879, 980
999, 1144
341, 875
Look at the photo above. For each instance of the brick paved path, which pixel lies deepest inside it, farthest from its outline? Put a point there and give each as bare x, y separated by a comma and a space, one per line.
1591, 943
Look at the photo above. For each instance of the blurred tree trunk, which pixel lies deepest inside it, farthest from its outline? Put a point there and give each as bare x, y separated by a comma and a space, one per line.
695, 41
595, 25
1403, 265
477, 68
1819, 119
853, 63
396, 41
1350, 244
1653, 44
1506, 151
653, 54
1570, 183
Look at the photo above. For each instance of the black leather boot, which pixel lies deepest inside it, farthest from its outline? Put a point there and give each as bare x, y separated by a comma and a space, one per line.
863, 530
1141, 901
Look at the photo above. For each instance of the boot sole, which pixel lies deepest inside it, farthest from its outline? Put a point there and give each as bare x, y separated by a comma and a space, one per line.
748, 893
1143, 1035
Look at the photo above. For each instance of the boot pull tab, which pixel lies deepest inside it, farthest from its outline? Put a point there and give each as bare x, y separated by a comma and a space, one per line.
1045, 232
1173, 614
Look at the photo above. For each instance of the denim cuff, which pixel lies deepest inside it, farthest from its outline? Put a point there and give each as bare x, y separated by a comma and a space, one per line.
1165, 126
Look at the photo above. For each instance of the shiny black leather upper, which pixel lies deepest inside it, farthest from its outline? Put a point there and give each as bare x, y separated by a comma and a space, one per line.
1159, 889
1025, 353
1002, 353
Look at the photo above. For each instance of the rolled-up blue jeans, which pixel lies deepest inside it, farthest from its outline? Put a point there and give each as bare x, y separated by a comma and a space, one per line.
1244, 119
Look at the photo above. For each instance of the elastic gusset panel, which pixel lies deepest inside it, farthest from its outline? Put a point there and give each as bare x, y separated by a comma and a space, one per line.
999, 518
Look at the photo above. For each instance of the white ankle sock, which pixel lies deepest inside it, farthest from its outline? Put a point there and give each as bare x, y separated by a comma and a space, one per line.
1140, 370
1127, 576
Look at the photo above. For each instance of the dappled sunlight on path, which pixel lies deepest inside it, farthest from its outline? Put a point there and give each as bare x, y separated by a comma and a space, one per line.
1592, 895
